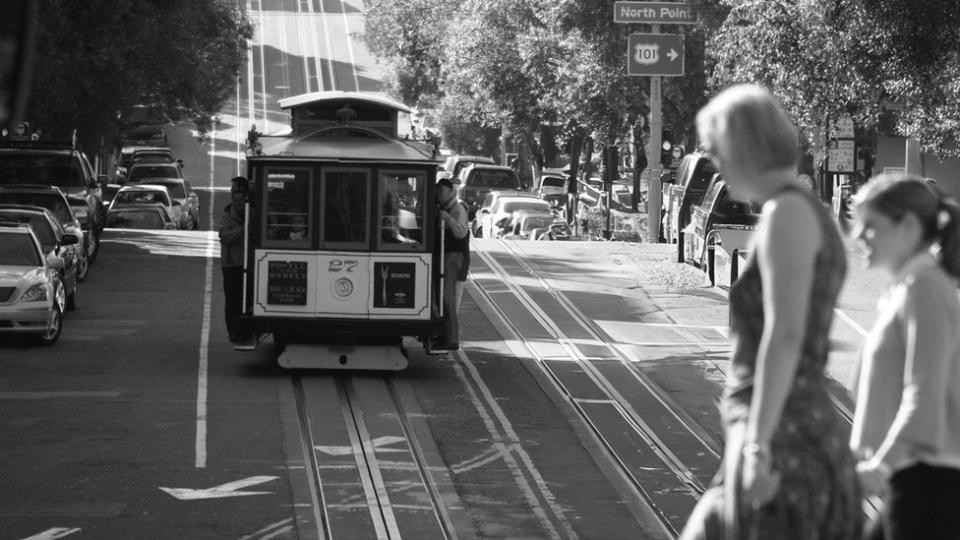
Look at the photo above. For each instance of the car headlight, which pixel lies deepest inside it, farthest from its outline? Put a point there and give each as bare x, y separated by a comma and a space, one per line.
37, 293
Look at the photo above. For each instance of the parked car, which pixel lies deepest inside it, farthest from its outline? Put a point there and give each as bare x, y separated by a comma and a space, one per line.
531, 225
488, 201
140, 216
60, 165
480, 179
502, 216
183, 193
54, 240
455, 164
32, 298
552, 187
144, 125
54, 200
128, 154
142, 170
137, 195
718, 220
681, 192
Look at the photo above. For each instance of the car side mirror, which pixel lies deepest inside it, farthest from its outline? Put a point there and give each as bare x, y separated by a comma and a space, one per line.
177, 203
55, 262
103, 179
667, 178
180, 163
70, 239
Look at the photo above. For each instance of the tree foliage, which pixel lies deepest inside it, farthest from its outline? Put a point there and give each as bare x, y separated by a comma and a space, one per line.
96, 59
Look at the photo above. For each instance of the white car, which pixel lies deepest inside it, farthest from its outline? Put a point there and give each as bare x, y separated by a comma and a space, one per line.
140, 195
32, 297
501, 213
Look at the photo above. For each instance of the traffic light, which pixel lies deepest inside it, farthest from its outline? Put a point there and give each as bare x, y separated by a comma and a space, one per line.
666, 145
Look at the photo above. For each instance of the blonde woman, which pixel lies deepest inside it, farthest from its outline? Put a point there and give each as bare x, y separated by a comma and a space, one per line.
787, 472
906, 426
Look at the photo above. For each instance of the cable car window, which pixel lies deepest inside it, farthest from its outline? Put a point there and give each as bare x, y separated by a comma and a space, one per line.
346, 204
288, 207
402, 197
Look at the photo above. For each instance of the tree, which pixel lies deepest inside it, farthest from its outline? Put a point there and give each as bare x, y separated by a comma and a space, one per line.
183, 53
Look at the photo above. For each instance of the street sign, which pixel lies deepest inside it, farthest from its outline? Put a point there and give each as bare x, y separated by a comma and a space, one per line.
842, 156
653, 13
655, 55
842, 128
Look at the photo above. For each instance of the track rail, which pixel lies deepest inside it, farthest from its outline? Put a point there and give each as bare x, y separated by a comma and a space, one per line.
355, 492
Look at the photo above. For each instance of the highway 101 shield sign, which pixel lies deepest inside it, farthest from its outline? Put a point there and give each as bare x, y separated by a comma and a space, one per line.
655, 55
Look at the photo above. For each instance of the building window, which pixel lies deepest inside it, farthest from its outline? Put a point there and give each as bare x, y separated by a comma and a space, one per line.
288, 207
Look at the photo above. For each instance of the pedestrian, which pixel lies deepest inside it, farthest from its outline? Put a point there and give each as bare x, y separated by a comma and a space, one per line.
456, 262
787, 470
231, 229
906, 427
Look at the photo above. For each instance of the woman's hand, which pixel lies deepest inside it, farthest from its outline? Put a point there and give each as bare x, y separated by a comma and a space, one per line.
874, 476
759, 482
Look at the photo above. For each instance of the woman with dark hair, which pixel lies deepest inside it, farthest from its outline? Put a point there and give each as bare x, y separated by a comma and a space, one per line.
906, 428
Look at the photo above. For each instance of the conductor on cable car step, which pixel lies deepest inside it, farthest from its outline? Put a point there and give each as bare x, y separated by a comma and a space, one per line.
231, 259
456, 247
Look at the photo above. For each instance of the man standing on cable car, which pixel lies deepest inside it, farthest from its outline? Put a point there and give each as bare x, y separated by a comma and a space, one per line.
231, 228
456, 247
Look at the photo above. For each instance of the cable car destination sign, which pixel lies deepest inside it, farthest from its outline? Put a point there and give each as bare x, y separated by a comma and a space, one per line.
653, 13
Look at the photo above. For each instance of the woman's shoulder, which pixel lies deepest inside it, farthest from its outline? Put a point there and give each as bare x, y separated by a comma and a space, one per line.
931, 286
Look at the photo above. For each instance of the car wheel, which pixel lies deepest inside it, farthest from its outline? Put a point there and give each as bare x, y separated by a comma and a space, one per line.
83, 267
93, 247
52, 334
73, 299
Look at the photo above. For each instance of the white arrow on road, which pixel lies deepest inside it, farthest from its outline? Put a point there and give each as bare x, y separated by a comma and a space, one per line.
225, 490
378, 446
53, 534
673, 55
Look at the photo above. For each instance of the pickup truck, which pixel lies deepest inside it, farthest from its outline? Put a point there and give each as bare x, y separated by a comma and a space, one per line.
681, 192
718, 221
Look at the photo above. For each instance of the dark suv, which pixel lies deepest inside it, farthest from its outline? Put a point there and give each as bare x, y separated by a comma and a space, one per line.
60, 165
480, 179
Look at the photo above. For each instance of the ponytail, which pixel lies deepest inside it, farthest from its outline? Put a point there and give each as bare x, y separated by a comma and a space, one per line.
948, 236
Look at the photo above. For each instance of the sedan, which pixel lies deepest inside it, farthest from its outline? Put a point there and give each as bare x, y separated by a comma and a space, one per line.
183, 195
145, 195
32, 299
146, 169
54, 240
500, 217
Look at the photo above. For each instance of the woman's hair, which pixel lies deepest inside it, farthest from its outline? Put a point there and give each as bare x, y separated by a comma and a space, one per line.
750, 127
895, 195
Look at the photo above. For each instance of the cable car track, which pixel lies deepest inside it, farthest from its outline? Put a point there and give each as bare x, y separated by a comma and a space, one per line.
369, 415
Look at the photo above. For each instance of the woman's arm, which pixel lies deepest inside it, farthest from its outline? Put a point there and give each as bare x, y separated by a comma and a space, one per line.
787, 245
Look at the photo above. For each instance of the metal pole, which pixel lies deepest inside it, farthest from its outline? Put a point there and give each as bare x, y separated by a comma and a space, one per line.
654, 188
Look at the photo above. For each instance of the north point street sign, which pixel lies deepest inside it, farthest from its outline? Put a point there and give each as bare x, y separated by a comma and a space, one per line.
653, 13
655, 55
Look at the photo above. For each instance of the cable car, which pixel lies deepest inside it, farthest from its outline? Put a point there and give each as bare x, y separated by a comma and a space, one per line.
342, 251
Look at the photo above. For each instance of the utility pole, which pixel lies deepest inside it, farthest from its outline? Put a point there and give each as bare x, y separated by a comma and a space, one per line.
654, 187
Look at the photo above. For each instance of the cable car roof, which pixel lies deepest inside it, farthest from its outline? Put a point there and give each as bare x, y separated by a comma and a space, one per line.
370, 149
337, 95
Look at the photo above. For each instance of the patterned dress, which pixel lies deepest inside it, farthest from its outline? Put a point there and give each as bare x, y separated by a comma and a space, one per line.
819, 496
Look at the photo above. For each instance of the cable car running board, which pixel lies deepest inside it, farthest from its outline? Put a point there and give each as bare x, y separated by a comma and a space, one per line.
319, 356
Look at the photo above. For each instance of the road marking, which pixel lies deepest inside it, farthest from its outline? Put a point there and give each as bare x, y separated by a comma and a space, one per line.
353, 60
853, 324
51, 534
476, 462
512, 444
283, 525
21, 396
378, 446
223, 490
263, 70
326, 35
201, 440
317, 60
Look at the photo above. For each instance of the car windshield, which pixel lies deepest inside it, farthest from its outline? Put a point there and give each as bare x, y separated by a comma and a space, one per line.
141, 197
156, 157
39, 224
135, 219
53, 202
140, 172
526, 206
175, 188
47, 169
18, 249
493, 179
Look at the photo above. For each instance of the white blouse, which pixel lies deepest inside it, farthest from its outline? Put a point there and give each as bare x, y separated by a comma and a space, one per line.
908, 392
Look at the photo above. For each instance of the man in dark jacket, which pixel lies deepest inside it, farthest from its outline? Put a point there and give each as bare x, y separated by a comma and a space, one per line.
231, 260
456, 247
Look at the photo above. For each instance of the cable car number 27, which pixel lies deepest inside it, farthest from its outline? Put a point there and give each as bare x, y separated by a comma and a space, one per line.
339, 265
